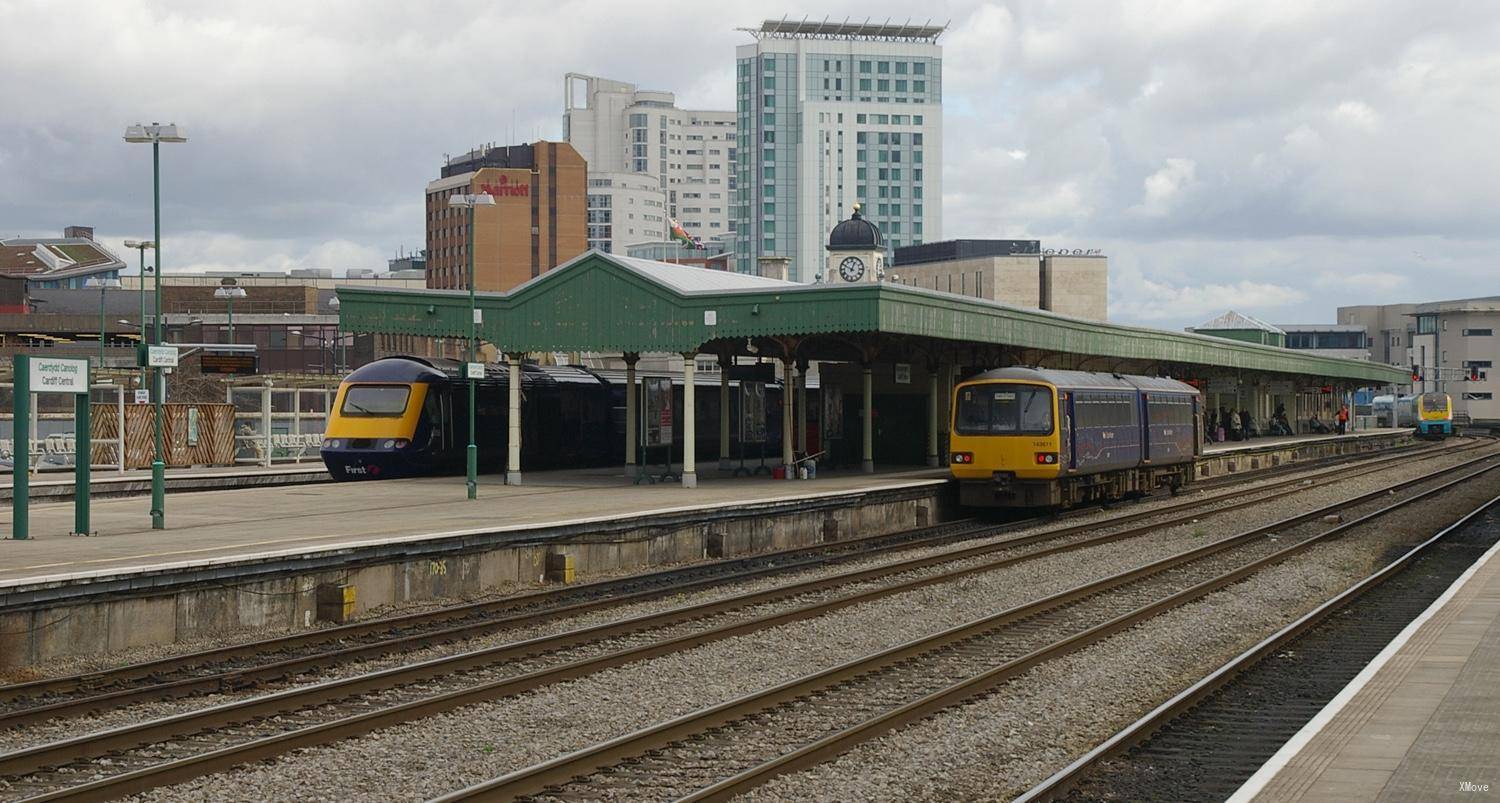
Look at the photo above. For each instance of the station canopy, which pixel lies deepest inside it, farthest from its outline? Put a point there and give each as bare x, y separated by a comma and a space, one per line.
606, 303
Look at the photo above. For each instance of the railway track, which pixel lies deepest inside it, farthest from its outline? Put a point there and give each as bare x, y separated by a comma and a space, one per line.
728, 749
254, 665
173, 749
1209, 739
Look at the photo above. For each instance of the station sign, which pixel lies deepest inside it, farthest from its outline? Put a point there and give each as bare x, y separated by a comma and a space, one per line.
156, 356
1279, 388
58, 375
759, 372
474, 370
142, 396
227, 363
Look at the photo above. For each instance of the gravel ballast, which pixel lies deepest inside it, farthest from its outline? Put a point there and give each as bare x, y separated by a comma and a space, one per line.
482, 741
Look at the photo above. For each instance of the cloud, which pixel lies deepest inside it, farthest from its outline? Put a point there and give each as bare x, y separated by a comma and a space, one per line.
1215, 148
1163, 187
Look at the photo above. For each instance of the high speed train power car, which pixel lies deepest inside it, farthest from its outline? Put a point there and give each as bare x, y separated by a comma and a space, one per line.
1029, 437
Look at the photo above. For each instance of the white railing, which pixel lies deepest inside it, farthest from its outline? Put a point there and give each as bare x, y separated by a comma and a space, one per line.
274, 424
58, 450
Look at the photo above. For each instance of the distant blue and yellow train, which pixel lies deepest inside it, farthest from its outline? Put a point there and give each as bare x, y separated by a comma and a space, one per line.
1029, 437
1434, 415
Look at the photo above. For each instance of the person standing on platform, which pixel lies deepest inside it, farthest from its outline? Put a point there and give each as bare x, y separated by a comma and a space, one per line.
1343, 419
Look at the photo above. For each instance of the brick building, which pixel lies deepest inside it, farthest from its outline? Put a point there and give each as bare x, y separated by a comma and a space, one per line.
538, 222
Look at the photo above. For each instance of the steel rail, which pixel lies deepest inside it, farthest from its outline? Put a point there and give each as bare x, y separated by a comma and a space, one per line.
243, 678
840, 549
1141, 729
563, 769
58, 753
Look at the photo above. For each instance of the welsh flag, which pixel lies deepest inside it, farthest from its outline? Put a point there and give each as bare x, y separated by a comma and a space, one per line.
680, 234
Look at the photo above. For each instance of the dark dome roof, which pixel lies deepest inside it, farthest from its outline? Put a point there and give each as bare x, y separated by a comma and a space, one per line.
854, 234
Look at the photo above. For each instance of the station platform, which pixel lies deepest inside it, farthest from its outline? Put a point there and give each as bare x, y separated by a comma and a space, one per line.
1421, 722
59, 484
1293, 440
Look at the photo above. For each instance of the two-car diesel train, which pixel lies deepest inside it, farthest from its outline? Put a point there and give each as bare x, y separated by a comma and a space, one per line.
1029, 437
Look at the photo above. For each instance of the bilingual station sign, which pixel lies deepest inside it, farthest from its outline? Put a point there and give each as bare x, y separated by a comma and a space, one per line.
58, 375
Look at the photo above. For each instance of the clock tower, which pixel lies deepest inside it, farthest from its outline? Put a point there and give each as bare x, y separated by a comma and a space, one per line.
856, 252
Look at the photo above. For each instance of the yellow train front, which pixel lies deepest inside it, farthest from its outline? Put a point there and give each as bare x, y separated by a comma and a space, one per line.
1034, 437
1434, 418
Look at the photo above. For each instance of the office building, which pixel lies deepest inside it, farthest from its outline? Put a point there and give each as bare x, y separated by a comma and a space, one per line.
1452, 345
538, 220
829, 115
649, 160
1016, 272
66, 261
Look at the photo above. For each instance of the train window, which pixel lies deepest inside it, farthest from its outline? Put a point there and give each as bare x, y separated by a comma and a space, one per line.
375, 400
1434, 403
1004, 410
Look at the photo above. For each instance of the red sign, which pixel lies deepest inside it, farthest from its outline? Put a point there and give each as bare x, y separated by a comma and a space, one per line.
506, 189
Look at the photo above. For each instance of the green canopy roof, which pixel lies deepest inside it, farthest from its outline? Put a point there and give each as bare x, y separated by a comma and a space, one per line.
603, 302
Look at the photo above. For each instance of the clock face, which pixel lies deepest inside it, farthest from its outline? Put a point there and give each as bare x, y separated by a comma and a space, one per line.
852, 269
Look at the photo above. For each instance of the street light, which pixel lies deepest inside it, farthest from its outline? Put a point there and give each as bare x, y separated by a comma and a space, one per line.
333, 304
229, 294
469, 202
156, 134
142, 246
324, 343
103, 284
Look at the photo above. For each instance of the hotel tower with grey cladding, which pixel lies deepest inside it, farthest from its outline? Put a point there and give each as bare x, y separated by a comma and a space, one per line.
537, 223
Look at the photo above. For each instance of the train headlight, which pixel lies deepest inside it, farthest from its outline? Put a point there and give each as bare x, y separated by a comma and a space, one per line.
965, 458
401, 443
1046, 458
330, 443
388, 445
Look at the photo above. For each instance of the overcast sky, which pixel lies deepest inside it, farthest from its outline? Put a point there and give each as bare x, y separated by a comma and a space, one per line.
1279, 158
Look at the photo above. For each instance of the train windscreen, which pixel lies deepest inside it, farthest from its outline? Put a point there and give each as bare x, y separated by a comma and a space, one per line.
375, 400
1434, 403
1004, 410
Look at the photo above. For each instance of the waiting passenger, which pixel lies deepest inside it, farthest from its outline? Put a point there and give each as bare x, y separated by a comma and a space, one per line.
1317, 427
1247, 425
1279, 423
1343, 419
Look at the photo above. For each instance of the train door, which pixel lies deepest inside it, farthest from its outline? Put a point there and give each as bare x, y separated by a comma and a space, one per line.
1144, 411
1065, 430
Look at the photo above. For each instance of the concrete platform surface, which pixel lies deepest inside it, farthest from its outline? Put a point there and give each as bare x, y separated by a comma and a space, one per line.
1281, 440
257, 523
1421, 722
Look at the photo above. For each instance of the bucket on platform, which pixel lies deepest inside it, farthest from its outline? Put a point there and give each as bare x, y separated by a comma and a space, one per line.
812, 469
778, 473
802, 473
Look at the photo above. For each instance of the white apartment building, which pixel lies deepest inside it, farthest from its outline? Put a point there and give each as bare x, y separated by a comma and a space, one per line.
625, 209
689, 154
830, 114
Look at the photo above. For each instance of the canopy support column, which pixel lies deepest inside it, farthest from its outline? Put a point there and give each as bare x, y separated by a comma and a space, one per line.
631, 358
933, 404
788, 410
802, 407
724, 363
689, 422
513, 442
867, 463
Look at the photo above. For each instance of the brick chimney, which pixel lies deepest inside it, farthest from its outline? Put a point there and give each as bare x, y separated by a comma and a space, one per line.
86, 232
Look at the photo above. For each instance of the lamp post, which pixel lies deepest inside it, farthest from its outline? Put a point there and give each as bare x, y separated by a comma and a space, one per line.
229, 294
103, 285
469, 202
156, 134
333, 304
142, 246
